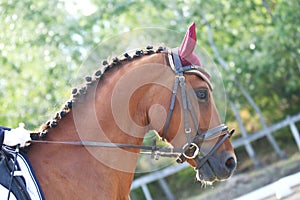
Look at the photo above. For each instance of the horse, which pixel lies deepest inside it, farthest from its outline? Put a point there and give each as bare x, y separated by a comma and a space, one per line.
90, 148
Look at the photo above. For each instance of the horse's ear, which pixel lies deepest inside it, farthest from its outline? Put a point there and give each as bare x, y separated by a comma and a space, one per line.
187, 47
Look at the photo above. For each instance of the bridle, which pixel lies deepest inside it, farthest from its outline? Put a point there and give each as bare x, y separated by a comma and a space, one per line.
191, 150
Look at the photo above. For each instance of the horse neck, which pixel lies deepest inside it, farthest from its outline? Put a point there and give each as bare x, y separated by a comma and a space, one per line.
114, 111
118, 103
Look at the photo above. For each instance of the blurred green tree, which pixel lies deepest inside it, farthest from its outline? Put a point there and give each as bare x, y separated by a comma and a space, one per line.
43, 44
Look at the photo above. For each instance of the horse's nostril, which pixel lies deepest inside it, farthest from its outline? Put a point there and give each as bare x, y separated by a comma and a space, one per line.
230, 163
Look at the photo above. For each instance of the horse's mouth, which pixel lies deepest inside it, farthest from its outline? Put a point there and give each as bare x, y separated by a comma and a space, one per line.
211, 172
206, 175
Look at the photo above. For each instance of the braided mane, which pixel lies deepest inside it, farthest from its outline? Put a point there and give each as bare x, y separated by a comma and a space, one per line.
90, 81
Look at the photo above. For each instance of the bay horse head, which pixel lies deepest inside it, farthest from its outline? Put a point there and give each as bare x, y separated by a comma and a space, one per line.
194, 117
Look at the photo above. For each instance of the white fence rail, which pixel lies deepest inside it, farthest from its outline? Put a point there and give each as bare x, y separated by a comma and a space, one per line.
259, 134
280, 188
160, 175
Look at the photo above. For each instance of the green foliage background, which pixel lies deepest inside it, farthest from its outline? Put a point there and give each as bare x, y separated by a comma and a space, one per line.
43, 43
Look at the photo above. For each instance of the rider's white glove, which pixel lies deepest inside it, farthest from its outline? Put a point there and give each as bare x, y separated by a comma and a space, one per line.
17, 136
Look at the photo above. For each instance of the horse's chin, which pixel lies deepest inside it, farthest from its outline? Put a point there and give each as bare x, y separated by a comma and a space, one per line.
206, 176
204, 179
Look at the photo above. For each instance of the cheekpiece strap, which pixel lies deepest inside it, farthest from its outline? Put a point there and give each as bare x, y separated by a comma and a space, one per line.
176, 65
176, 59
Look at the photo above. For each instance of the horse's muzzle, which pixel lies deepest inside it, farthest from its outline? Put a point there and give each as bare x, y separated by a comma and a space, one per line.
217, 168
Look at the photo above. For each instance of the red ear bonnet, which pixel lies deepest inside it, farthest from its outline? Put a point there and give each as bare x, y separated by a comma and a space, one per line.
187, 47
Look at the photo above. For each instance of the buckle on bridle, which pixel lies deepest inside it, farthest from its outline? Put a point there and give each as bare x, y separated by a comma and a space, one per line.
187, 148
192, 145
183, 156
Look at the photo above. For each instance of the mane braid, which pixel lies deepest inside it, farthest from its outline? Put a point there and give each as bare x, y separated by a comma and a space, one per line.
90, 81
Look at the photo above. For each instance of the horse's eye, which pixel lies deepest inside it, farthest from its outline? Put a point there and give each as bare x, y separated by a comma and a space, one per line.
202, 95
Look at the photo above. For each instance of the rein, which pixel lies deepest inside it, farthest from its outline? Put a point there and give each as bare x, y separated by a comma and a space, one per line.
155, 151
